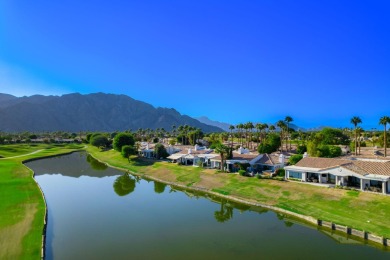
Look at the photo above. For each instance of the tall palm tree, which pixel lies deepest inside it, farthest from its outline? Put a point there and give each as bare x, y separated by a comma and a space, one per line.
271, 128
181, 129
355, 121
173, 130
250, 127
258, 127
359, 134
245, 127
288, 120
231, 127
223, 151
282, 127
384, 120
238, 127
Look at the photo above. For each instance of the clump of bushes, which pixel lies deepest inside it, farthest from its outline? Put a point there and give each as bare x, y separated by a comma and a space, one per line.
242, 172
295, 158
280, 172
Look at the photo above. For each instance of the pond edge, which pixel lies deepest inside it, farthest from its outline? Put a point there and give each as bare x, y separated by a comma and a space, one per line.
365, 235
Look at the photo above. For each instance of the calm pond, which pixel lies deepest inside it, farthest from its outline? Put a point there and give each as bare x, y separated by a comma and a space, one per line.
95, 212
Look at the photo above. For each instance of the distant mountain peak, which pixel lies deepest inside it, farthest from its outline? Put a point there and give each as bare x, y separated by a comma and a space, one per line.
206, 120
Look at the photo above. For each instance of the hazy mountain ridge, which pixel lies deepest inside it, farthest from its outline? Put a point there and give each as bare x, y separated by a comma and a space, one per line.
91, 112
208, 121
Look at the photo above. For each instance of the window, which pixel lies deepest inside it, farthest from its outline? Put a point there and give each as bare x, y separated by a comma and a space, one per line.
375, 183
296, 175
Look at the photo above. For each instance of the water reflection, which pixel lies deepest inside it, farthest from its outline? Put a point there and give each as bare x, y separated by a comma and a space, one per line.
282, 217
224, 214
159, 187
124, 184
176, 223
95, 164
72, 165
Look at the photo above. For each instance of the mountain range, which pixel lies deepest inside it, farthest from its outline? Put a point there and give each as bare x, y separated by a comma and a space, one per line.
90, 112
207, 121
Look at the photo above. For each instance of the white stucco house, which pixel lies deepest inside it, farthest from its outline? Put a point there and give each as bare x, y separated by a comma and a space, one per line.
193, 155
365, 175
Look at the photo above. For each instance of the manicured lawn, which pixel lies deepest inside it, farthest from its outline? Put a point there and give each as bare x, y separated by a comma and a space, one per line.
21, 205
360, 210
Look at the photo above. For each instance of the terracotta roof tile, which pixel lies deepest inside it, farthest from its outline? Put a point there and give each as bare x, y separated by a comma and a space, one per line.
358, 166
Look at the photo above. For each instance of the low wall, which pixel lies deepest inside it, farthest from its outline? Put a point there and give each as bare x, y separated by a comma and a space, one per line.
354, 232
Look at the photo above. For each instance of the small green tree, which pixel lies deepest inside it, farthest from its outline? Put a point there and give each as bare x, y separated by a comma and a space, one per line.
271, 144
99, 140
295, 158
301, 149
128, 150
280, 172
160, 151
122, 139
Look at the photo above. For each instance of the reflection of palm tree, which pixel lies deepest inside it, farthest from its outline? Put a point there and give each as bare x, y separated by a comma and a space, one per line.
159, 187
124, 185
224, 214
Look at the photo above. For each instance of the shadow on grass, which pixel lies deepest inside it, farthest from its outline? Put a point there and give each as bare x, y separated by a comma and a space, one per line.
138, 161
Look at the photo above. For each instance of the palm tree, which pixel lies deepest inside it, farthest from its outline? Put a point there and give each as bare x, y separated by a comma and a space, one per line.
223, 151
240, 126
384, 120
355, 121
250, 127
288, 120
181, 129
258, 127
271, 128
359, 134
231, 127
282, 127
173, 130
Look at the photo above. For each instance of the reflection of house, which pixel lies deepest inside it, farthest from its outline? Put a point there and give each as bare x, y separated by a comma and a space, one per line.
372, 175
193, 156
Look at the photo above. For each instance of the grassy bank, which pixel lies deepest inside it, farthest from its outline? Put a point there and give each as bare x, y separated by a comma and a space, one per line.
22, 207
360, 210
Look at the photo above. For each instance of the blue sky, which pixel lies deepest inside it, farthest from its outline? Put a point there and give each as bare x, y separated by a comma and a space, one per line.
320, 62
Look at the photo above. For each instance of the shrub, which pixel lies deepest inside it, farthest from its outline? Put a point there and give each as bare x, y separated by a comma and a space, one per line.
242, 172
280, 172
128, 150
99, 140
160, 151
301, 149
295, 158
244, 166
123, 139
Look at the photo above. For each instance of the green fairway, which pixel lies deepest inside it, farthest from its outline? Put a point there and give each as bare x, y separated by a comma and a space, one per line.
360, 210
22, 207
